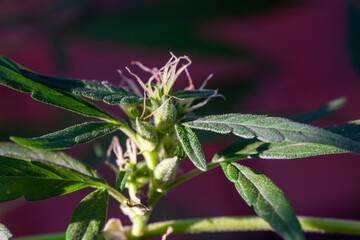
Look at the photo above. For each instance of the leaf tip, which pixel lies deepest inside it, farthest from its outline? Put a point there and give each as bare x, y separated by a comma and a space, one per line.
203, 168
17, 140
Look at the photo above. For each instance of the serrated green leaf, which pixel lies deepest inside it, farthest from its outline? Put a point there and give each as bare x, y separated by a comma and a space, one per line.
5, 234
57, 159
250, 148
272, 129
297, 150
11, 76
37, 180
191, 146
245, 148
67, 138
194, 93
92, 89
121, 179
269, 202
321, 111
89, 216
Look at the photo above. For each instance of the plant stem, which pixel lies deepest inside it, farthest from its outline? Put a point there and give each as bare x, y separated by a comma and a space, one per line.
221, 224
114, 193
132, 190
151, 159
139, 223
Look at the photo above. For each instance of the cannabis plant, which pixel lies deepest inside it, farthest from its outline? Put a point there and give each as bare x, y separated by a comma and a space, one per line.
159, 130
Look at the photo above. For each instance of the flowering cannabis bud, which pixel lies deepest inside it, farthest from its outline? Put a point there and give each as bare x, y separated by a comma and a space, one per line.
147, 135
165, 117
166, 171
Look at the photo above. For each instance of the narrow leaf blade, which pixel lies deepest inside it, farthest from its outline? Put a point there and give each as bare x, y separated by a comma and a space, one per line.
69, 137
272, 130
92, 89
249, 148
191, 146
245, 148
12, 77
269, 202
321, 111
287, 150
195, 93
89, 216
121, 179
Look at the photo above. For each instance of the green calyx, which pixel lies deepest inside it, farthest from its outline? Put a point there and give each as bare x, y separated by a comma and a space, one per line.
165, 117
165, 172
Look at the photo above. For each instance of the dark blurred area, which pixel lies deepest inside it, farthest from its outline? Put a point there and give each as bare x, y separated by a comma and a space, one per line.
280, 57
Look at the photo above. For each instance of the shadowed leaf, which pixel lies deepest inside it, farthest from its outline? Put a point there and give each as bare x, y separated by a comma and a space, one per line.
12, 77
177, 25
92, 89
320, 112
66, 138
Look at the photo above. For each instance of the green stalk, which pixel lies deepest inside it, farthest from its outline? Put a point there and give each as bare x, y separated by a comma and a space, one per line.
230, 224
139, 221
138, 226
221, 224
113, 192
132, 190
151, 159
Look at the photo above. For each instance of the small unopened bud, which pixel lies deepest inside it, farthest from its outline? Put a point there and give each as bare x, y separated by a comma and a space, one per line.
147, 135
165, 117
165, 172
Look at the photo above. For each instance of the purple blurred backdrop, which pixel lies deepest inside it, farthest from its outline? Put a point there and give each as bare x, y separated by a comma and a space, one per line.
282, 59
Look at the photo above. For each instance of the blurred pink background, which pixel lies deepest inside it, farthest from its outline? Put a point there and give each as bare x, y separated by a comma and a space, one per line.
296, 58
